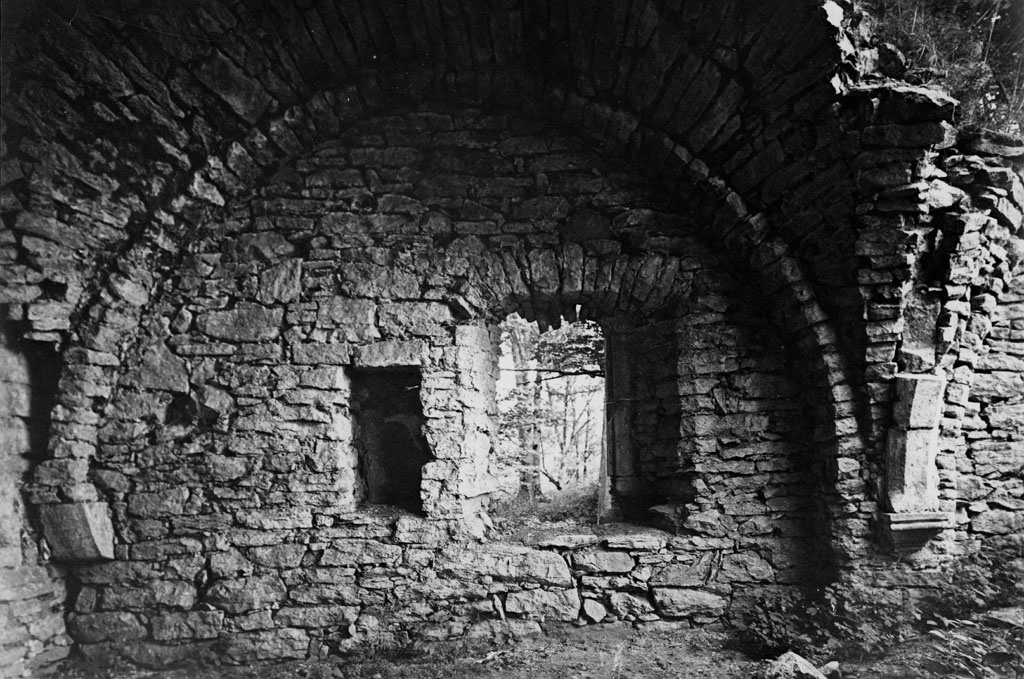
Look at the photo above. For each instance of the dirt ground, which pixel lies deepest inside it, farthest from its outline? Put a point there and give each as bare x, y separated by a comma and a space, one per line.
594, 652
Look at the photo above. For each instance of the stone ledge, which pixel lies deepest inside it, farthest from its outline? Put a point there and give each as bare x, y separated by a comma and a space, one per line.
910, 532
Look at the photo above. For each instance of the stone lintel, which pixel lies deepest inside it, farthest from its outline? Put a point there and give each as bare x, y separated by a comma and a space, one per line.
81, 531
918, 401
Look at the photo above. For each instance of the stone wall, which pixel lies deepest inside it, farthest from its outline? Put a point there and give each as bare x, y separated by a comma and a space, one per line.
983, 431
227, 454
214, 232
32, 592
989, 457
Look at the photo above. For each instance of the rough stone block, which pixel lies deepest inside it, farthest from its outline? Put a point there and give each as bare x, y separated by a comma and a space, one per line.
693, 574
594, 610
266, 645
624, 603
78, 532
625, 536
325, 354
281, 283
504, 630
541, 603
317, 616
160, 369
168, 502
506, 563
912, 478
999, 522
603, 562
390, 354
246, 594
189, 625
355, 318
746, 567
791, 666
245, 96
278, 556
361, 553
95, 627
244, 324
682, 603
919, 401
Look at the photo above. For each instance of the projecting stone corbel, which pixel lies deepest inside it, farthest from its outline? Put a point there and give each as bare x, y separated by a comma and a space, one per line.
911, 475
80, 531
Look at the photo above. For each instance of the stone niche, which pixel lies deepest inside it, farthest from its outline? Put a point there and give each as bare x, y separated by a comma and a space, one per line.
388, 436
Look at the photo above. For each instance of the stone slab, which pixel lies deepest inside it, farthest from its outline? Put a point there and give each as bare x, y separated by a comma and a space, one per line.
919, 400
78, 532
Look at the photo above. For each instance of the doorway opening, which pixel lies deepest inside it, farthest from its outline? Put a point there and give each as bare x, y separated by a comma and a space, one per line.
388, 435
551, 422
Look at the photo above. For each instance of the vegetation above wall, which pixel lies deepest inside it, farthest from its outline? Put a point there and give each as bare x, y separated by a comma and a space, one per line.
974, 49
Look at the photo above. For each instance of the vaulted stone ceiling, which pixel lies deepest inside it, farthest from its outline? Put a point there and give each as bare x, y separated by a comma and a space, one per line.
129, 117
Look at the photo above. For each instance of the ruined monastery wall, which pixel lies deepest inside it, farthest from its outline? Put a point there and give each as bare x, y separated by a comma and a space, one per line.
228, 454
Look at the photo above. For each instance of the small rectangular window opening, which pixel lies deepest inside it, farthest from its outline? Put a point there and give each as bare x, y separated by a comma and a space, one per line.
388, 435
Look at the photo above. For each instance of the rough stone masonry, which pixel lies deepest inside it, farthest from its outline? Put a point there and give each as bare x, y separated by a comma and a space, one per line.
228, 227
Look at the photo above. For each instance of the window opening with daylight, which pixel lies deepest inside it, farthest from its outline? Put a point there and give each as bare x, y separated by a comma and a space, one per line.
551, 409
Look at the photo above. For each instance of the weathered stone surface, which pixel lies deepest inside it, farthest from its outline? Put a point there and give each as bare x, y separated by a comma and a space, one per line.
999, 522
506, 562
78, 532
682, 603
162, 593
412, 530
746, 567
504, 630
911, 475
243, 324
229, 564
278, 556
603, 562
189, 625
317, 616
327, 354
243, 94
918, 401
566, 540
679, 574
361, 552
356, 318
619, 536
95, 627
281, 283
271, 644
160, 369
922, 135
624, 603
390, 354
246, 594
594, 610
791, 666
277, 518
991, 143
163, 503
562, 604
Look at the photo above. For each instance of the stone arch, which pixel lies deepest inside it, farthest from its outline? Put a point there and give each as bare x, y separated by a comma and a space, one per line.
718, 209
730, 150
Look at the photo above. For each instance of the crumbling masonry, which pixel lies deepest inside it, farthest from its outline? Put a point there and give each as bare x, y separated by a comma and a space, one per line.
228, 227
